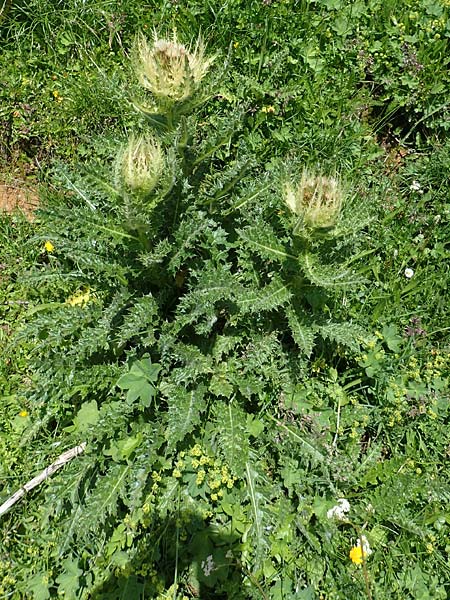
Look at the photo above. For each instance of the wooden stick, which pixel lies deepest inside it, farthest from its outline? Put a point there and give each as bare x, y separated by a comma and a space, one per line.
47, 472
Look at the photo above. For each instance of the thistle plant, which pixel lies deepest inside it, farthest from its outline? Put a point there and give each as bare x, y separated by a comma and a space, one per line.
139, 165
205, 315
170, 71
316, 200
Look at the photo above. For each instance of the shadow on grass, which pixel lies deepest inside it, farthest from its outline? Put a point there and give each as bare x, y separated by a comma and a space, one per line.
198, 556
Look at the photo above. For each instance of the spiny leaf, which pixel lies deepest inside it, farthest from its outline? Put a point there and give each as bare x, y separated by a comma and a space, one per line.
302, 333
139, 321
273, 295
347, 334
328, 275
102, 501
232, 436
185, 409
263, 240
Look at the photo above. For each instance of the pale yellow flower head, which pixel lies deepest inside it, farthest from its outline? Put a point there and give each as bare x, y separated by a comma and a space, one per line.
140, 165
318, 199
169, 69
49, 247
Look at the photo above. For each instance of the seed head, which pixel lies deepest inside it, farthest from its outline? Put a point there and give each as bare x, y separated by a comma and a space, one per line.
169, 69
140, 165
317, 199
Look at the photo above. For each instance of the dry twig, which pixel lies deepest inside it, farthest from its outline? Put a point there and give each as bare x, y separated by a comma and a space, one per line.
47, 472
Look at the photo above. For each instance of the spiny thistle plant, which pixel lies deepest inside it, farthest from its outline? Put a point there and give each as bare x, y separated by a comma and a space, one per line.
316, 199
140, 165
201, 315
170, 71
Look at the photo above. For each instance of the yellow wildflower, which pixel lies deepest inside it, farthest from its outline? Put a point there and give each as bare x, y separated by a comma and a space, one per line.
49, 246
23, 413
79, 298
356, 555
361, 551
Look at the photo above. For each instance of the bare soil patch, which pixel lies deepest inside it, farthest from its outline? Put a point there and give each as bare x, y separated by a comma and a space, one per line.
17, 196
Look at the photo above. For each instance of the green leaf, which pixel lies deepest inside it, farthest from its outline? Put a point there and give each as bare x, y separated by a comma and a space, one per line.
328, 276
391, 337
256, 502
123, 449
157, 121
264, 241
185, 409
302, 333
68, 580
37, 586
273, 295
86, 417
347, 334
232, 436
254, 426
139, 382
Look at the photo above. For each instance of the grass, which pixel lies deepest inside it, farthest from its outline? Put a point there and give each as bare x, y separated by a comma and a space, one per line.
230, 388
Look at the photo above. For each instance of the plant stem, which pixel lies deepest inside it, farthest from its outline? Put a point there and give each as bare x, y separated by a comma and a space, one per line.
364, 567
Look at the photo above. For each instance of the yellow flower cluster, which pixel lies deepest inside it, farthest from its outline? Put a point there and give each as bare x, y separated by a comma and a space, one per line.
80, 298
217, 476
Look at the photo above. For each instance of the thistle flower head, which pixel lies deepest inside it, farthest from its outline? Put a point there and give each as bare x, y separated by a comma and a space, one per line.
140, 165
169, 69
317, 199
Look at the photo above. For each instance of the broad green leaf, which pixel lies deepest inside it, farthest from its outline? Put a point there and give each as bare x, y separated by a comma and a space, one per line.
68, 580
391, 337
145, 368
38, 586
139, 382
86, 417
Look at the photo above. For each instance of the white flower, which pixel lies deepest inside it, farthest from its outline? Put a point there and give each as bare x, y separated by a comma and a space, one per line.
208, 566
370, 509
415, 186
339, 511
365, 545
409, 273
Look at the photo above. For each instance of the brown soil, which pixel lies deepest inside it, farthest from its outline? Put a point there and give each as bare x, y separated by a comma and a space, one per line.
17, 194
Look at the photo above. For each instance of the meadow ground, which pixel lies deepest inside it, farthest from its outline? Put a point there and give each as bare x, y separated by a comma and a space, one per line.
229, 283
